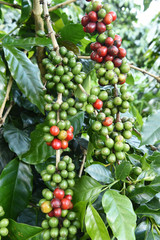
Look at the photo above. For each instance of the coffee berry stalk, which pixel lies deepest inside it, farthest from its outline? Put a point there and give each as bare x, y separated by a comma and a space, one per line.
61, 221
3, 224
110, 98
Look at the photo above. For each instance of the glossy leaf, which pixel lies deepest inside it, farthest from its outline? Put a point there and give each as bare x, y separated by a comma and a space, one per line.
39, 151
142, 230
20, 231
143, 210
25, 11
26, 75
95, 227
130, 79
142, 194
77, 121
16, 187
120, 214
152, 135
3, 81
18, 140
26, 43
72, 32
137, 115
123, 170
100, 173
86, 188
80, 209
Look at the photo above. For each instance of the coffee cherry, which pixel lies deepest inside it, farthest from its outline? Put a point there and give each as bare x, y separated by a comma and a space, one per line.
65, 203
85, 20
57, 212
113, 14
113, 50
96, 126
101, 27
91, 27
108, 19
111, 158
93, 16
109, 41
102, 51
96, 6
69, 135
72, 230
108, 58
107, 122
54, 130
89, 108
101, 38
56, 144
98, 104
46, 207
102, 13
117, 62
122, 53
59, 193
56, 178
71, 215
54, 232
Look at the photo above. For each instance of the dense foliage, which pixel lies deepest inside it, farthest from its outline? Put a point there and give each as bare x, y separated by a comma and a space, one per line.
112, 199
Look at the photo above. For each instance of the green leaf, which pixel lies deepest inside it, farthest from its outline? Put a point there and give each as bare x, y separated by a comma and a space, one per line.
142, 230
72, 32
16, 187
18, 140
95, 227
120, 215
155, 164
3, 81
130, 79
151, 129
26, 75
147, 212
143, 194
147, 175
80, 209
86, 188
26, 43
69, 45
77, 121
20, 231
136, 114
39, 151
25, 11
86, 85
100, 173
146, 4
89, 153
123, 170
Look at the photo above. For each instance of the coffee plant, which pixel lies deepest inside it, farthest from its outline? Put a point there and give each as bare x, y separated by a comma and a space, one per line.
79, 123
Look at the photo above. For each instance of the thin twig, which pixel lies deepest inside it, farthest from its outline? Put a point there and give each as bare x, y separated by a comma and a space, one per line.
6, 114
145, 72
50, 28
133, 67
82, 89
136, 131
10, 4
61, 5
10, 32
82, 165
6, 97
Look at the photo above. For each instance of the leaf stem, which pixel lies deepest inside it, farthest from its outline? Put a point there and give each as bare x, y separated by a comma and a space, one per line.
9, 33
133, 67
2, 121
82, 89
61, 5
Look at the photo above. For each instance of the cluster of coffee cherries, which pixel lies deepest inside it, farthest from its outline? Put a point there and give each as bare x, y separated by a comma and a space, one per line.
63, 75
3, 224
61, 221
110, 98
98, 18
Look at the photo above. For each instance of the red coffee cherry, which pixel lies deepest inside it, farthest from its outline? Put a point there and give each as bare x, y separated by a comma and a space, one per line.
101, 27
117, 43
113, 50
55, 203
97, 45
109, 41
57, 212
91, 27
54, 130
85, 20
108, 19
93, 16
108, 58
102, 51
117, 38
114, 15
59, 193
51, 214
69, 136
122, 53
64, 144
92, 47
93, 54
98, 104
107, 122
56, 144
65, 203
84, 29
68, 197
71, 129
98, 58
71, 205
117, 62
